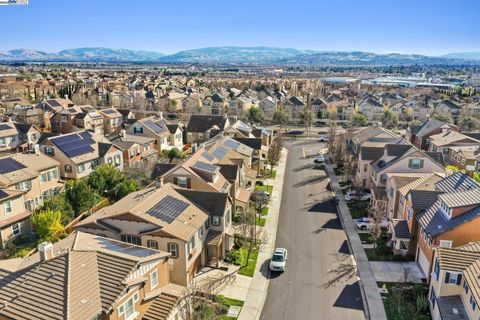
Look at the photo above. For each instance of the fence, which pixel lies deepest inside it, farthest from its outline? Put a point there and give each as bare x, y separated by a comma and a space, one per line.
102, 203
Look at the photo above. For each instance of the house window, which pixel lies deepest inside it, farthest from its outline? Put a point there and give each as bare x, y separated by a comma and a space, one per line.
416, 163
453, 278
153, 279
128, 308
131, 239
465, 287
49, 151
152, 244
68, 168
409, 213
436, 269
365, 167
24, 185
182, 182
94, 163
433, 298
7, 207
473, 303
16, 229
191, 244
137, 130
173, 249
64, 119
81, 168
383, 178
445, 243
117, 160
215, 221
207, 223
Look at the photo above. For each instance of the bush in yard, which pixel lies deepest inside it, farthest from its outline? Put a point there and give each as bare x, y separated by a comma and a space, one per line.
235, 257
48, 225
60, 203
80, 196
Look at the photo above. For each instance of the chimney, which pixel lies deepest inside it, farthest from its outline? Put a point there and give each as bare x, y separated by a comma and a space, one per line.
36, 148
160, 114
123, 133
46, 251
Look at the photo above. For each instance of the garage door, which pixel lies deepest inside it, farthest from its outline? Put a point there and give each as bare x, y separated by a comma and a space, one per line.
423, 261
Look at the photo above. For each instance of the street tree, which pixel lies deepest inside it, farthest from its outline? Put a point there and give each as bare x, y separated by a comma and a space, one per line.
274, 152
307, 118
255, 114
281, 118
389, 120
359, 120
332, 137
469, 124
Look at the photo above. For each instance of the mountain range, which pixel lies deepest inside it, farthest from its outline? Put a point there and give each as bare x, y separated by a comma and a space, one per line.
240, 55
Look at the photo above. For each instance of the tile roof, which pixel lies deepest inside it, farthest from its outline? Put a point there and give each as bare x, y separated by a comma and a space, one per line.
458, 181
461, 198
203, 123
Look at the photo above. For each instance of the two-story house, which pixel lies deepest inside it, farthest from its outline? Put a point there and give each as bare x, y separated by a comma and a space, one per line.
158, 218
79, 153
136, 148
268, 106
450, 138
9, 137
454, 288
28, 134
14, 217
166, 136
112, 120
419, 135
88, 277
201, 128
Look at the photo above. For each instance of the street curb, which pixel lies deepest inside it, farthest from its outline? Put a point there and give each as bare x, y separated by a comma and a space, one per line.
257, 293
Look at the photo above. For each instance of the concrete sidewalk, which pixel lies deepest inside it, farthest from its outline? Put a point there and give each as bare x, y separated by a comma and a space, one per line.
396, 271
257, 292
373, 303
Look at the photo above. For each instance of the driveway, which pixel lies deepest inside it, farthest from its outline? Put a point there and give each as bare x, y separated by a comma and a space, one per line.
397, 271
318, 282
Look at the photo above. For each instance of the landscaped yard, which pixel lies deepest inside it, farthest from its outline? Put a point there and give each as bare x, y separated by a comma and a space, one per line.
264, 211
260, 221
406, 301
358, 209
266, 188
238, 256
383, 252
268, 174
216, 309
228, 302
247, 269
365, 238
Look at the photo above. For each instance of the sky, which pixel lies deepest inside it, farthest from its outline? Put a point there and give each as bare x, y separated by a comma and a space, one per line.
430, 27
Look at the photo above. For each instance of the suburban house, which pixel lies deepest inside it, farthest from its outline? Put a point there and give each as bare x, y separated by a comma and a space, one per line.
136, 149
14, 217
450, 138
89, 277
9, 137
112, 120
399, 158
371, 137
161, 219
28, 134
63, 121
294, 106
419, 135
35, 175
454, 291
365, 158
80, 152
90, 119
166, 136
201, 128
453, 220
268, 106
216, 104
464, 157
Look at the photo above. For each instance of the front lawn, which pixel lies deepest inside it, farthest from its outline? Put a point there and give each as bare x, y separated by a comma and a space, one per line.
228, 302
383, 252
248, 269
260, 221
405, 301
264, 211
358, 209
268, 174
266, 188
238, 256
365, 238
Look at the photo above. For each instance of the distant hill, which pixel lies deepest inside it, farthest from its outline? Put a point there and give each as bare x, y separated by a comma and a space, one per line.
463, 55
232, 55
240, 55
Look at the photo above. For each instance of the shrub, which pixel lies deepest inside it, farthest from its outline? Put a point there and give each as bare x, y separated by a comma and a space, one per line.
235, 257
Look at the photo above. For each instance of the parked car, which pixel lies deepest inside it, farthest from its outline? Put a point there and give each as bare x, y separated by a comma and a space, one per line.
359, 195
323, 138
366, 223
319, 159
278, 260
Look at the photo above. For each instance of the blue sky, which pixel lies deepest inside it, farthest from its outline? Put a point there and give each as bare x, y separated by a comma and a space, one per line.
406, 26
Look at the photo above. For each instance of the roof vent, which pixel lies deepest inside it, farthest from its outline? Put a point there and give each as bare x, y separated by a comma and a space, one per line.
454, 310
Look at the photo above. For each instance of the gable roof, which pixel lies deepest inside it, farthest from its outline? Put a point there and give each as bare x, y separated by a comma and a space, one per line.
371, 153
203, 123
431, 125
213, 203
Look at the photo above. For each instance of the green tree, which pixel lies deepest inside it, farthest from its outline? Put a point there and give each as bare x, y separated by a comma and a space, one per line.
389, 120
108, 181
48, 225
255, 114
174, 153
59, 203
307, 118
443, 117
80, 196
281, 118
359, 120
469, 124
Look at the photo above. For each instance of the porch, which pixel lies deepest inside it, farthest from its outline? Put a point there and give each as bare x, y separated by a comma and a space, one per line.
401, 237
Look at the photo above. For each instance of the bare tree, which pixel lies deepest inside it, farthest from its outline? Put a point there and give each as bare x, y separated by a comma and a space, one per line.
274, 152
332, 137
376, 226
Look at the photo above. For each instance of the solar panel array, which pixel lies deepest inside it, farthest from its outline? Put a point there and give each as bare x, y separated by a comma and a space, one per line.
168, 209
231, 144
207, 156
9, 165
205, 166
3, 194
72, 110
155, 126
76, 144
54, 103
4, 127
220, 152
109, 111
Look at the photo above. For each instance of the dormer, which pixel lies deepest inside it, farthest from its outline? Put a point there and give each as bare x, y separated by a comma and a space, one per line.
457, 203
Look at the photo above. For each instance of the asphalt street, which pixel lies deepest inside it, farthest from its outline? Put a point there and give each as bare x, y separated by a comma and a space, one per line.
319, 281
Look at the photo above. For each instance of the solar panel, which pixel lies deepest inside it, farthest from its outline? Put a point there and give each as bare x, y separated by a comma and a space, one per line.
207, 156
9, 165
205, 166
3, 194
154, 126
109, 111
61, 140
79, 151
54, 103
220, 152
231, 144
72, 110
4, 127
168, 209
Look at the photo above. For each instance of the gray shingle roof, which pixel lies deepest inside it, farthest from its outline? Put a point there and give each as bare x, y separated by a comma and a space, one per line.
400, 228
423, 199
371, 153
